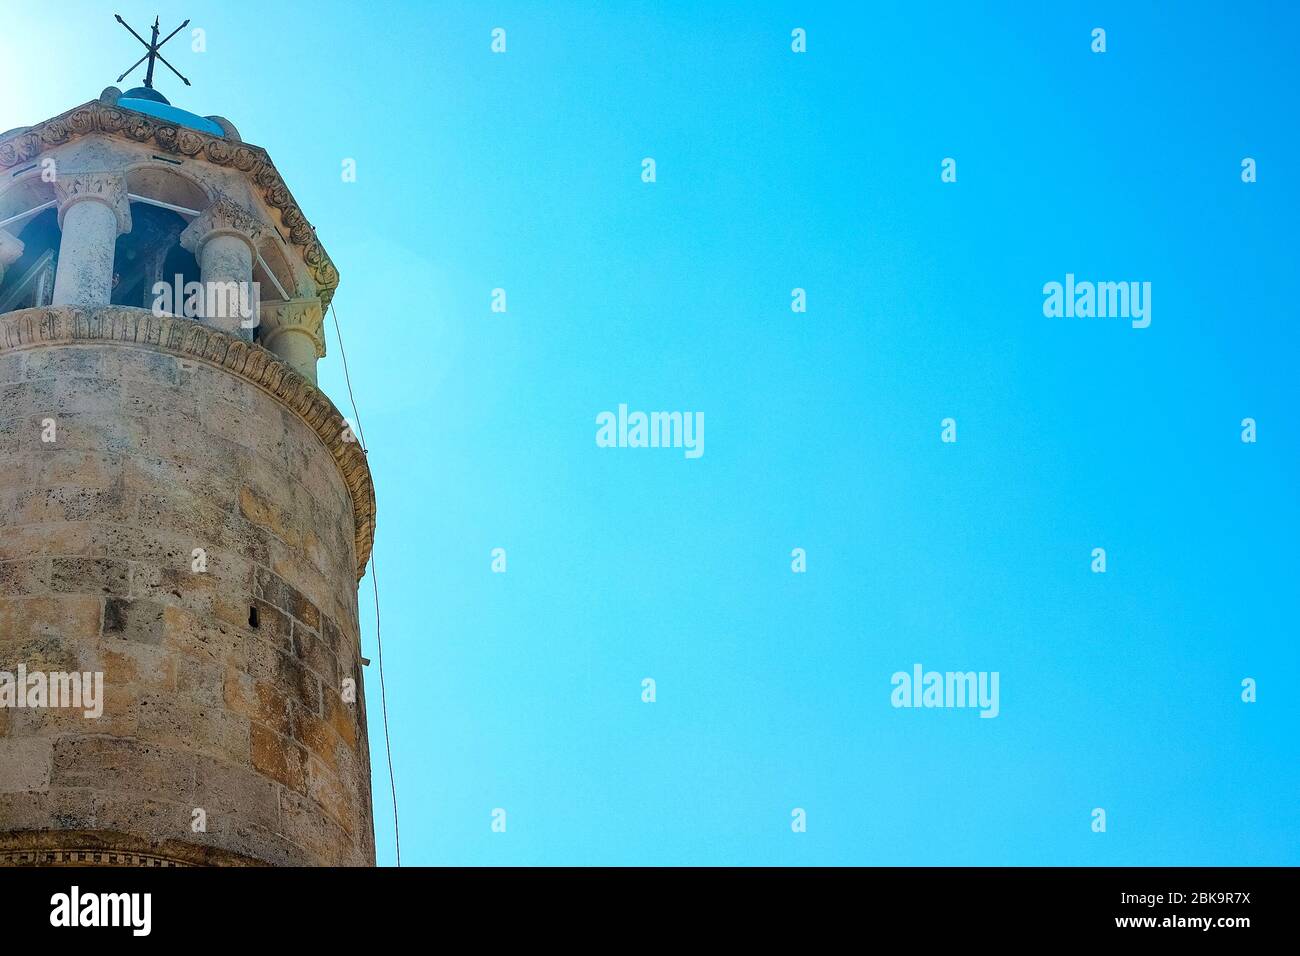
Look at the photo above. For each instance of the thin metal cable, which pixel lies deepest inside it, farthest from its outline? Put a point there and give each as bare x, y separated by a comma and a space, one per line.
374, 580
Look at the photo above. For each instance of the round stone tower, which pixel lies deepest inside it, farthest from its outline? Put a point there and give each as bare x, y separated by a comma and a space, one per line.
184, 516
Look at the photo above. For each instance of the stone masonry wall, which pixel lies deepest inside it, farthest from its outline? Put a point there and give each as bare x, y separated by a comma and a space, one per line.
160, 451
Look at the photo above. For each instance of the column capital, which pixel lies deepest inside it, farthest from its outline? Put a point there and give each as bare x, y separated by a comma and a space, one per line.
108, 188
305, 316
225, 217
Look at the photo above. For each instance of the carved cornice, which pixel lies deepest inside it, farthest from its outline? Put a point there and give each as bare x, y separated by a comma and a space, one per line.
108, 188
108, 848
83, 858
224, 217
24, 145
108, 325
300, 315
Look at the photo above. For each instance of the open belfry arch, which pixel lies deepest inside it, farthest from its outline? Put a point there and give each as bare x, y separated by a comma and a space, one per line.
105, 164
182, 510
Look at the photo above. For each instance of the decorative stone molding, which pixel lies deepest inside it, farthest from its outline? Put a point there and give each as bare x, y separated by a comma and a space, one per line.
224, 217
24, 145
62, 857
11, 250
108, 188
109, 325
303, 316
108, 848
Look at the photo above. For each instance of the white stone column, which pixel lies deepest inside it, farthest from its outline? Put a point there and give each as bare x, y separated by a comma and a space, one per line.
11, 250
224, 241
93, 212
295, 332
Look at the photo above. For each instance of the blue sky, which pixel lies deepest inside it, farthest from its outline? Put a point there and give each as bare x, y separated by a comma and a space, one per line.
821, 171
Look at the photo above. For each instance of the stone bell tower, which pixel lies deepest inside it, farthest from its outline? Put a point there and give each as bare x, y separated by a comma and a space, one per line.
182, 512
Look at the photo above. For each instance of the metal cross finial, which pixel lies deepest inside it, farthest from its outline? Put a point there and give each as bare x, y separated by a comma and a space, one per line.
153, 46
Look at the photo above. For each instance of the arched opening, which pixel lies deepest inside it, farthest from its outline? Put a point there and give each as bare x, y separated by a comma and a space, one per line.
273, 274
29, 282
150, 253
163, 184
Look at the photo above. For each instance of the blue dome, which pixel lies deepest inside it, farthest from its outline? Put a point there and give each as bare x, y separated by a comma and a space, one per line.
153, 103
147, 93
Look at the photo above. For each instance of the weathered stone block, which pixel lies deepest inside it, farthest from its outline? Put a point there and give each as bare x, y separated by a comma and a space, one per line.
64, 538
77, 467
200, 683
74, 618
265, 514
343, 716
37, 810
25, 763
145, 366
275, 590
314, 653
64, 363
133, 663
90, 576
11, 368
25, 577
133, 620
273, 625
175, 586
211, 640
212, 730
279, 758
228, 791
302, 821
128, 766
259, 701
143, 813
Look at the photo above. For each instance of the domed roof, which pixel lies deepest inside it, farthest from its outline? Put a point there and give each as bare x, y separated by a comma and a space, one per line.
147, 93
152, 103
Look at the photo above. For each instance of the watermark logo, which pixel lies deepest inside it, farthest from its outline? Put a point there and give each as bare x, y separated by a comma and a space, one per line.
651, 430
133, 910
209, 300
923, 688
35, 690
1100, 300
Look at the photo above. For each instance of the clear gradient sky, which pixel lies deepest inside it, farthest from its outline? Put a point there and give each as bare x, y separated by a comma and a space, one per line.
822, 171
